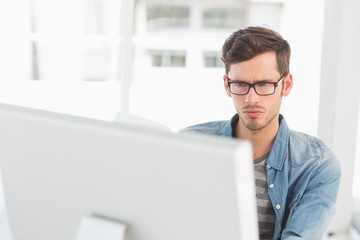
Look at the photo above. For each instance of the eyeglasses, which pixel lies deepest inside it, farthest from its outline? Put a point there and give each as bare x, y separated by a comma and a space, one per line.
261, 88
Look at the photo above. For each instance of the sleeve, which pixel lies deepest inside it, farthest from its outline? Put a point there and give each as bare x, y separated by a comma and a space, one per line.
312, 210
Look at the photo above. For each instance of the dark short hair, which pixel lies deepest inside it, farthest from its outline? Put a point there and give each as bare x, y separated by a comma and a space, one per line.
247, 43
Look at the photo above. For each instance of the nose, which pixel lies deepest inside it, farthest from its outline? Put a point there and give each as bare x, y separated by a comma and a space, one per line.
252, 96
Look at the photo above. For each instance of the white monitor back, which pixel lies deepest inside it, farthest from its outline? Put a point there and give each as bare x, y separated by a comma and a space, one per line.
57, 169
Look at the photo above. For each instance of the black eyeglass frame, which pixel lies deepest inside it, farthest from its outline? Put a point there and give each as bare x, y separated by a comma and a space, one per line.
252, 85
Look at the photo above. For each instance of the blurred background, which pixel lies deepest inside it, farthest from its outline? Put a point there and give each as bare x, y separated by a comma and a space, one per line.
154, 59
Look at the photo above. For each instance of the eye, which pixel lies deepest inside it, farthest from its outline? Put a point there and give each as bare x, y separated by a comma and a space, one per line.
240, 84
263, 84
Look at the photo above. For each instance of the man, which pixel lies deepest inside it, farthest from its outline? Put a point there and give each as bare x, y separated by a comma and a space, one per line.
297, 176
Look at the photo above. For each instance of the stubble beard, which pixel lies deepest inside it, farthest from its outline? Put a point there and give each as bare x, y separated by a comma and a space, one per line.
256, 124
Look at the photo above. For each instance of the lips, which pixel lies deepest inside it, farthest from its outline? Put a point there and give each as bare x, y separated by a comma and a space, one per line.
252, 112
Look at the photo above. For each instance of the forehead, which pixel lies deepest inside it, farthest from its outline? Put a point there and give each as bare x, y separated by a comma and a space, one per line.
262, 66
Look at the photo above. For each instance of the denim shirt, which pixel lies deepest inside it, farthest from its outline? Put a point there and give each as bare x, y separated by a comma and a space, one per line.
303, 178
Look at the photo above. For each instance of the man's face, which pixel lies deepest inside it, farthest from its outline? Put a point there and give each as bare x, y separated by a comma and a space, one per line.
257, 112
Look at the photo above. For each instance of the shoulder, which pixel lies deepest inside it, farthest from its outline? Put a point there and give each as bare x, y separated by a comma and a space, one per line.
303, 141
211, 128
306, 148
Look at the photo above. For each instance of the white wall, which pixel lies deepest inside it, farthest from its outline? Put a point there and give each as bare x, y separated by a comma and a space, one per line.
339, 103
302, 26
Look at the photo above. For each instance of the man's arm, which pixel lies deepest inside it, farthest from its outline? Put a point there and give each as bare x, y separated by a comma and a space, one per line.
311, 215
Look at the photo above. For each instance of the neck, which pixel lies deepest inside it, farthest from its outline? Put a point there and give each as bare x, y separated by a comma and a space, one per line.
261, 140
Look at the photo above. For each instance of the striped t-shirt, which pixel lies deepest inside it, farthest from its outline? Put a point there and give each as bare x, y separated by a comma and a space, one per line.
266, 213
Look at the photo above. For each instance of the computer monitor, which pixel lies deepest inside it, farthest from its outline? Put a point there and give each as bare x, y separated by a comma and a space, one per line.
57, 169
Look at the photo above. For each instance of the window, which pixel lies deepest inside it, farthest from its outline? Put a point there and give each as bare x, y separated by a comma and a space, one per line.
224, 17
164, 58
63, 56
160, 16
212, 60
88, 56
76, 47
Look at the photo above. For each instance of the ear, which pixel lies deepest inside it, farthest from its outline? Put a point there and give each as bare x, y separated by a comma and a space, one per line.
226, 86
288, 84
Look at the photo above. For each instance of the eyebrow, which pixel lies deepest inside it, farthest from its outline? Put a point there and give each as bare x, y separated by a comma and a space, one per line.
258, 81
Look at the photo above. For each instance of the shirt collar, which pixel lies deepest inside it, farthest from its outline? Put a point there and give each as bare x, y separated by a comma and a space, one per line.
278, 152
229, 128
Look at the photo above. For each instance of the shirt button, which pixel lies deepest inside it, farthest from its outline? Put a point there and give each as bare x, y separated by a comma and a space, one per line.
277, 206
271, 185
268, 166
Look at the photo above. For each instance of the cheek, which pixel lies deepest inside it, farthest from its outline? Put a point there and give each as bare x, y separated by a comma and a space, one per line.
238, 101
276, 104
